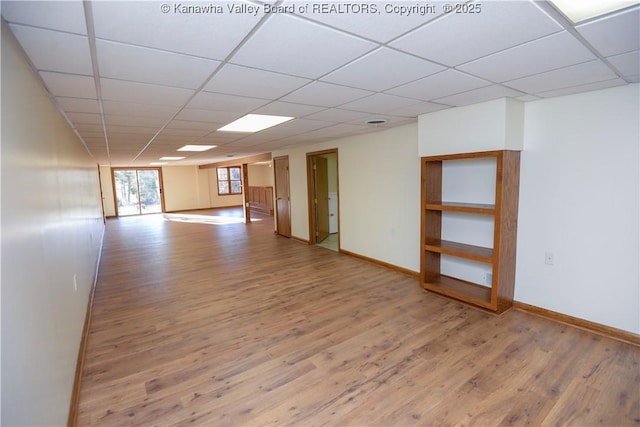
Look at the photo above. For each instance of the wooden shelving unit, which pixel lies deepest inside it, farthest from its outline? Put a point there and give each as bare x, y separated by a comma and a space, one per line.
499, 296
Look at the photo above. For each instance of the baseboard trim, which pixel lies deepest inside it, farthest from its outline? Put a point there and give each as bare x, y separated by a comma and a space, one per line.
608, 331
202, 209
300, 240
381, 263
77, 381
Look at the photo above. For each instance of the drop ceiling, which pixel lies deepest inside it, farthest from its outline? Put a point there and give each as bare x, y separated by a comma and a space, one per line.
137, 81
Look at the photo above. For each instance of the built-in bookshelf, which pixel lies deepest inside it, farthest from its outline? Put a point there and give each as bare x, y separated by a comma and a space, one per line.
500, 257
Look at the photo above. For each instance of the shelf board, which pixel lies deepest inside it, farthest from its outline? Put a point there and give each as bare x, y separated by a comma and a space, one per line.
460, 289
477, 208
461, 250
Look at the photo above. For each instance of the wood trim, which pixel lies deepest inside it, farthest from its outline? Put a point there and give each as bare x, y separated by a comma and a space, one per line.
299, 240
265, 157
598, 328
72, 421
464, 156
381, 263
311, 209
204, 209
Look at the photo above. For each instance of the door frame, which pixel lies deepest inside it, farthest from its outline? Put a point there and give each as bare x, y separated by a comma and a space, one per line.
115, 195
311, 191
285, 233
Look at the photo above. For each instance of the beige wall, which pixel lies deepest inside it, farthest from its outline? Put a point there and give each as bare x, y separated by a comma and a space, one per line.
187, 187
106, 186
51, 232
261, 175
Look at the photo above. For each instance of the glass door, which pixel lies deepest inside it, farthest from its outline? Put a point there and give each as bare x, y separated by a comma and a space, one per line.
137, 191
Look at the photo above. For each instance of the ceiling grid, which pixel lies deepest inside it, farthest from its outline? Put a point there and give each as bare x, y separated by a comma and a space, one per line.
137, 80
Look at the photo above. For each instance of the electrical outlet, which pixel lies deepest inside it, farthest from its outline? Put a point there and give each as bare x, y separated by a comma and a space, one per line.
548, 258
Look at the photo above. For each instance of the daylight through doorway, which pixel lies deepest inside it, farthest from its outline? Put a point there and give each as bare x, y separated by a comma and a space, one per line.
137, 191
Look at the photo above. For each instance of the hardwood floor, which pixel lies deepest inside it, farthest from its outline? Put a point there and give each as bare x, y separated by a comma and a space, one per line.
201, 321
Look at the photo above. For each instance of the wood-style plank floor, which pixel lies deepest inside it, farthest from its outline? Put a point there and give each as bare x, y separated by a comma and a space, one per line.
198, 320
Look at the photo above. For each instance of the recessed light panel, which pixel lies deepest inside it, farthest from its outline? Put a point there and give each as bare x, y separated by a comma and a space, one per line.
196, 147
171, 158
158, 163
580, 10
254, 123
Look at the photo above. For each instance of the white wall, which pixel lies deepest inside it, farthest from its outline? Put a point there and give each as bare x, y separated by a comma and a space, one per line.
493, 125
579, 199
51, 232
379, 194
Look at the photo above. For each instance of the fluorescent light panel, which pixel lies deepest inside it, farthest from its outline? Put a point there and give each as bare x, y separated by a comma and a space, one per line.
254, 123
581, 10
196, 147
158, 163
171, 158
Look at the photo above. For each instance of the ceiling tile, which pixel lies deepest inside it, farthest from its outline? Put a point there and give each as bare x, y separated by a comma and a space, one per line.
244, 81
138, 110
134, 121
338, 131
184, 133
143, 93
337, 115
212, 116
439, 85
297, 126
131, 130
94, 141
54, 50
288, 109
78, 105
184, 124
382, 69
89, 128
208, 35
56, 15
293, 46
325, 95
627, 63
614, 34
223, 102
69, 85
379, 103
545, 54
575, 75
583, 88
475, 96
379, 21
140, 64
85, 118
389, 121
415, 110
461, 37
252, 140
220, 138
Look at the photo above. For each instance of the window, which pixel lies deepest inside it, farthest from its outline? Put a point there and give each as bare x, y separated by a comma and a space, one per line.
229, 180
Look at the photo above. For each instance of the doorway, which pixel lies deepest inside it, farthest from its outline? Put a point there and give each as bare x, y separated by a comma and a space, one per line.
137, 191
322, 181
283, 200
